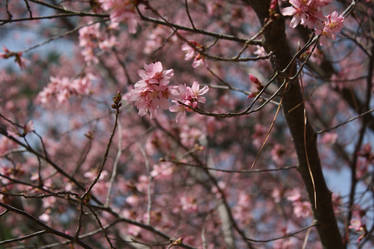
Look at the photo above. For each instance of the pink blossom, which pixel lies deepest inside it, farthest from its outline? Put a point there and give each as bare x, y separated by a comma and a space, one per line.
49, 202
356, 225
189, 52
297, 11
92, 174
45, 217
153, 74
190, 135
258, 135
278, 153
260, 51
155, 39
89, 55
242, 210
88, 36
6, 145
6, 171
333, 25
329, 138
188, 203
82, 85
121, 11
134, 230
195, 93
189, 96
198, 61
179, 109
365, 150
151, 93
162, 170
276, 194
305, 12
133, 200
62, 88
294, 195
359, 226
29, 127
244, 199
362, 167
108, 43
302, 209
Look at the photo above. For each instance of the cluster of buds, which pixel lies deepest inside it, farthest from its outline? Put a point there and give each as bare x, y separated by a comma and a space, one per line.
273, 8
365, 152
175, 243
117, 101
358, 225
258, 86
17, 57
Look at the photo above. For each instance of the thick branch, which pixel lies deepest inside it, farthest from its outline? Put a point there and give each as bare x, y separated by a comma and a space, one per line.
303, 134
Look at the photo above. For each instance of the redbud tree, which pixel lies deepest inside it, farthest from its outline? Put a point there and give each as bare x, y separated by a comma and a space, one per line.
186, 124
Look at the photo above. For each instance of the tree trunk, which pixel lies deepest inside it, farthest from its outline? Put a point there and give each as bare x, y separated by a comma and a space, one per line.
294, 111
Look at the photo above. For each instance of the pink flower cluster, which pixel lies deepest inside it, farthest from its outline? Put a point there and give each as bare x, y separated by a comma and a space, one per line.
121, 10
333, 24
6, 145
242, 210
62, 88
301, 209
190, 136
188, 96
309, 14
156, 38
152, 92
305, 12
87, 41
190, 53
358, 225
90, 38
188, 203
162, 170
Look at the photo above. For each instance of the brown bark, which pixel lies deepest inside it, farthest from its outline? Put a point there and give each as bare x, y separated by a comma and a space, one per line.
275, 40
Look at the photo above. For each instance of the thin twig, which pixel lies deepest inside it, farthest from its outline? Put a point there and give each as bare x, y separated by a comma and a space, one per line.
64, 10
149, 187
102, 227
28, 8
268, 133
4, 242
346, 122
48, 228
115, 166
101, 168
188, 14
199, 31
291, 234
252, 171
